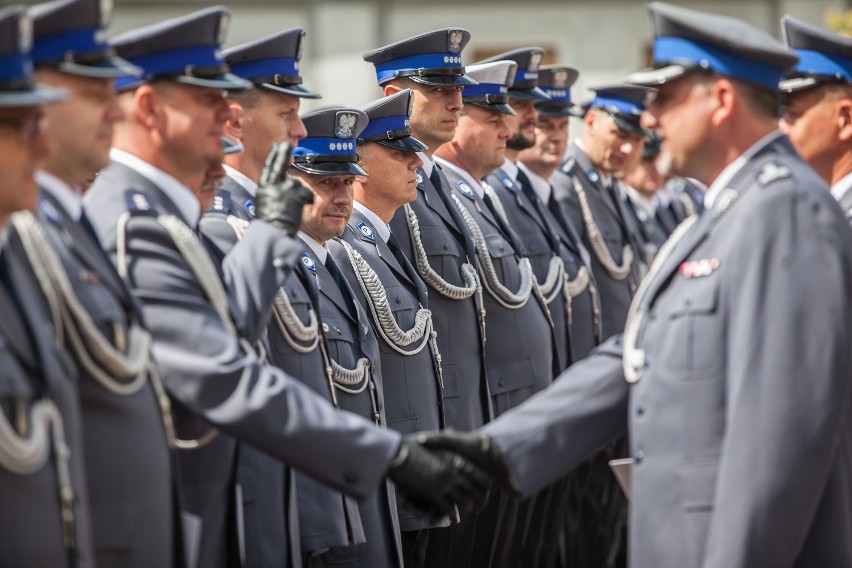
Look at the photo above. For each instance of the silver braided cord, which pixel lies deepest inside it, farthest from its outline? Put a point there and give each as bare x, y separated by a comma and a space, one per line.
451, 291
495, 200
300, 337
633, 359
688, 205
24, 453
490, 280
119, 373
377, 300
596, 240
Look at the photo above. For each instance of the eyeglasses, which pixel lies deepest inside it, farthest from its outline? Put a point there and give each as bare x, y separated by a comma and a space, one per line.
27, 128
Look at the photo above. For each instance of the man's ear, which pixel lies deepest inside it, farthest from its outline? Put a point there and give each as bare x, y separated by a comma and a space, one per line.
843, 113
147, 107
234, 125
391, 89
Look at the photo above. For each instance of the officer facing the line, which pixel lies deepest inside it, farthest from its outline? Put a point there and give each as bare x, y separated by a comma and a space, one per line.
741, 445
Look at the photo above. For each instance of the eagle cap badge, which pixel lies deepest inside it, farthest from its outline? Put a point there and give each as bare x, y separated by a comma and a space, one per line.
345, 122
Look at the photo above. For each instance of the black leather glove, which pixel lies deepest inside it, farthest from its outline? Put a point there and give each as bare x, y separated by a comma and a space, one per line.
279, 199
477, 447
437, 485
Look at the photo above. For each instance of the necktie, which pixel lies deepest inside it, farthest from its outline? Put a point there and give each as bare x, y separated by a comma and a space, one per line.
394, 247
332, 268
532, 196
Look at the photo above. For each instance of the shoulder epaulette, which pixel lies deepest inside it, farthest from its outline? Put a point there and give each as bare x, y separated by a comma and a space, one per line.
138, 203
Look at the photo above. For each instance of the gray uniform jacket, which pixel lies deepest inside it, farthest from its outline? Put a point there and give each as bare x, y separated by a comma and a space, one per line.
32, 370
349, 337
211, 375
126, 445
740, 421
518, 342
448, 244
411, 384
543, 236
612, 221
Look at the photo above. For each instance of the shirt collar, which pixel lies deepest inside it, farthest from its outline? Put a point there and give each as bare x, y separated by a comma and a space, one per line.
540, 185
241, 179
319, 250
183, 197
381, 227
428, 163
734, 168
474, 184
510, 168
842, 187
69, 198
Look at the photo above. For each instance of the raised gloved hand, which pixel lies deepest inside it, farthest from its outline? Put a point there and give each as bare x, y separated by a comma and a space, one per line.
280, 199
477, 447
436, 484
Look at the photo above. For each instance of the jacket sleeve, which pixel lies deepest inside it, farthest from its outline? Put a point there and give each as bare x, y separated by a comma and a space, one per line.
557, 429
212, 373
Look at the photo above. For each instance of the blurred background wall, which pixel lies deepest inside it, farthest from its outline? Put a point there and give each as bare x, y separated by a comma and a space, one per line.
603, 39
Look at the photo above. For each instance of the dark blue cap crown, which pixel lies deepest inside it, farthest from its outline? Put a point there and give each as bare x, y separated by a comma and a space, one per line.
823, 56
525, 83
556, 82
433, 58
624, 103
17, 83
70, 36
185, 50
272, 63
330, 146
390, 123
687, 40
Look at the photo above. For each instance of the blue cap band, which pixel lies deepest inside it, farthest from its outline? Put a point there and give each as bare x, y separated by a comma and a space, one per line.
55, 46
485, 89
15, 68
522, 75
620, 105
267, 67
678, 50
385, 124
324, 146
558, 95
389, 69
819, 63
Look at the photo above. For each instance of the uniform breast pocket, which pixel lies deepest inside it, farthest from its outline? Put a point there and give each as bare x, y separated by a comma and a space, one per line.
99, 301
693, 339
503, 257
443, 253
14, 384
404, 307
341, 342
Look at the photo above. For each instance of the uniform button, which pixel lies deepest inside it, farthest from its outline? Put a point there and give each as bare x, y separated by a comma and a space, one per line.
500, 383
639, 456
339, 331
640, 409
688, 301
446, 246
325, 327
350, 476
500, 247
398, 300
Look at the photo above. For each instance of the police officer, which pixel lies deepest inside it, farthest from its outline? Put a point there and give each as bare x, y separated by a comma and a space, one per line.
641, 185
123, 405
264, 115
45, 519
434, 238
355, 379
818, 117
519, 347
384, 280
732, 449
592, 198
277, 506
204, 323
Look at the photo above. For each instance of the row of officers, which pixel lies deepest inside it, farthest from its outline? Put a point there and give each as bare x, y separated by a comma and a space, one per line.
234, 335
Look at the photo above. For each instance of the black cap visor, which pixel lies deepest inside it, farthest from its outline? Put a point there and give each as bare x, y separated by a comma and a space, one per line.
404, 144
530, 94
292, 90
100, 66
502, 108
337, 168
